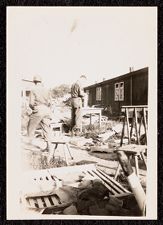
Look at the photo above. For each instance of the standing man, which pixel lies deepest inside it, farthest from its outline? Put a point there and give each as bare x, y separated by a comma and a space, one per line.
77, 94
40, 103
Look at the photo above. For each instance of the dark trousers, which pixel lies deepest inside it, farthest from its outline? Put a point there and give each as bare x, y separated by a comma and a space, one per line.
76, 113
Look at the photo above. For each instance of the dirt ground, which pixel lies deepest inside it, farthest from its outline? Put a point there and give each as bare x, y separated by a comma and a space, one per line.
95, 145
36, 159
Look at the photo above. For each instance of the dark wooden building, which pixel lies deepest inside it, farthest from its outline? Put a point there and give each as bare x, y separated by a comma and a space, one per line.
128, 89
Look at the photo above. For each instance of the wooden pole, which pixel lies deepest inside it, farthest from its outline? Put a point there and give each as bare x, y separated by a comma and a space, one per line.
123, 129
128, 126
133, 181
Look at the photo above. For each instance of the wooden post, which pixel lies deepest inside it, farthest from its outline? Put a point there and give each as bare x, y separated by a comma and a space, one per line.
65, 153
136, 165
133, 181
100, 119
123, 129
132, 124
140, 122
90, 119
145, 123
128, 127
144, 160
68, 148
136, 126
125, 163
117, 171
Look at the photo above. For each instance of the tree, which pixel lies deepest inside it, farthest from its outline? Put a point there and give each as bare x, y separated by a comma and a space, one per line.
60, 91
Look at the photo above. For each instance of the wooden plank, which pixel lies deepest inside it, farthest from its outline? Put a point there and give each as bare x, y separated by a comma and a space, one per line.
141, 121
117, 171
114, 181
32, 203
40, 202
136, 126
49, 178
36, 203
55, 200
36, 175
65, 170
100, 119
145, 123
90, 174
27, 201
65, 154
107, 183
132, 149
90, 119
47, 202
123, 195
97, 177
132, 126
143, 157
136, 165
128, 126
51, 201
123, 129
134, 106
69, 151
115, 189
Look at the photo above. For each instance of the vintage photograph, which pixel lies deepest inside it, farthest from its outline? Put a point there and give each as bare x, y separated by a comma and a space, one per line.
81, 112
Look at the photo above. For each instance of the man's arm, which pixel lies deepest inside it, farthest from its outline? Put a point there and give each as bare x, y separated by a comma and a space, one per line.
81, 92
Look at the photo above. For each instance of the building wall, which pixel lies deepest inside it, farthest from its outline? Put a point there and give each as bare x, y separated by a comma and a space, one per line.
108, 91
140, 89
135, 91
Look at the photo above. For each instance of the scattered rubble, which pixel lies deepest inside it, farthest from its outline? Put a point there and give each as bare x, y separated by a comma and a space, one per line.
83, 195
81, 142
71, 210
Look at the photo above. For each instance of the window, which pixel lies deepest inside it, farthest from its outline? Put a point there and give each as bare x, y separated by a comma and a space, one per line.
116, 98
119, 91
98, 94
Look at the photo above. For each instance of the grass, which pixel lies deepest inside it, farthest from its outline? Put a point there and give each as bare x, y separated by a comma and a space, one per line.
38, 160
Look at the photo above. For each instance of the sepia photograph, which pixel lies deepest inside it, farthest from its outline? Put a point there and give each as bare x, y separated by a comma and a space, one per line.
81, 113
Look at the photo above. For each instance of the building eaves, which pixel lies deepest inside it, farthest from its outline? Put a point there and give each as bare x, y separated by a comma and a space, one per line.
117, 78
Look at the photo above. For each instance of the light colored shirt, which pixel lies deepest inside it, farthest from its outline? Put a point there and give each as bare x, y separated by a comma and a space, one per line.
77, 91
39, 96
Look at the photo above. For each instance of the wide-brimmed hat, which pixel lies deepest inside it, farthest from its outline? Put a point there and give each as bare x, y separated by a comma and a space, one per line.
37, 78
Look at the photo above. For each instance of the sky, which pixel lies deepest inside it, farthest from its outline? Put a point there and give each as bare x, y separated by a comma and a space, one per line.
62, 43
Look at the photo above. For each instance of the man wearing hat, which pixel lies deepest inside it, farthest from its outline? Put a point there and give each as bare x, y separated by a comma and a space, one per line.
77, 94
40, 102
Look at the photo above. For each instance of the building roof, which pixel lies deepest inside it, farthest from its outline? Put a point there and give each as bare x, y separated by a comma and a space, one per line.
133, 73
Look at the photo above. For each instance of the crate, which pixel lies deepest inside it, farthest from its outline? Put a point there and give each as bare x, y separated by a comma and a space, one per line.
54, 175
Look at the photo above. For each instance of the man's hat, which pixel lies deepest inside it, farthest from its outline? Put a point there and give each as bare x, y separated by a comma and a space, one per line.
37, 78
83, 77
